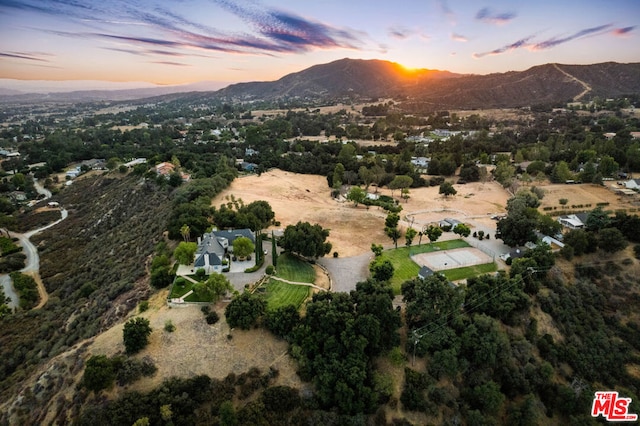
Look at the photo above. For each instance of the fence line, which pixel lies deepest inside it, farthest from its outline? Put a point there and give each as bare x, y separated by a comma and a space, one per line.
482, 247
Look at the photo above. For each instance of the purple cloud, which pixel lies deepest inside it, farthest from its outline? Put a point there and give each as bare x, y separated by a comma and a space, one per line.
399, 32
446, 10
459, 37
488, 16
23, 55
269, 31
509, 47
555, 41
621, 32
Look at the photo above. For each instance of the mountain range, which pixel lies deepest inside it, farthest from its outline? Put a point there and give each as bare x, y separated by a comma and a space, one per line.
373, 79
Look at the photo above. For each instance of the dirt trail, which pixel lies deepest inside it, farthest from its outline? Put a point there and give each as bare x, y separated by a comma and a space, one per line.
587, 88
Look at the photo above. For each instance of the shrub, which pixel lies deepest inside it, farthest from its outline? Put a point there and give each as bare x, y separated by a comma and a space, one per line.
136, 334
335, 254
143, 306
201, 274
270, 270
212, 317
636, 251
169, 326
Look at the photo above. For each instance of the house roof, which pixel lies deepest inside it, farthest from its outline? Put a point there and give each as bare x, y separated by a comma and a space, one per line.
213, 260
425, 272
232, 234
216, 242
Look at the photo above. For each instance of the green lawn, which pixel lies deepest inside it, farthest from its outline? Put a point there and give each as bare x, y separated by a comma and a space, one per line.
469, 271
178, 291
282, 294
294, 269
405, 268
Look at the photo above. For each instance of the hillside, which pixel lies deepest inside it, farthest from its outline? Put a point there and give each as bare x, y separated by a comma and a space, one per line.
360, 79
93, 266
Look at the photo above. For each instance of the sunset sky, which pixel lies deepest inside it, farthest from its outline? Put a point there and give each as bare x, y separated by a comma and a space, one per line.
184, 41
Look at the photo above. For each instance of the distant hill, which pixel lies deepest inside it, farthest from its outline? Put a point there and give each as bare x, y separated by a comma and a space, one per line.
70, 95
550, 83
365, 80
368, 78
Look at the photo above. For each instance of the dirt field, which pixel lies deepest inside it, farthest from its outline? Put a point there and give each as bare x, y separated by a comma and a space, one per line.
196, 347
296, 197
584, 194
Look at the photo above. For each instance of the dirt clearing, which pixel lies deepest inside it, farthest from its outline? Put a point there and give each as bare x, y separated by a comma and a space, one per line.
296, 197
196, 347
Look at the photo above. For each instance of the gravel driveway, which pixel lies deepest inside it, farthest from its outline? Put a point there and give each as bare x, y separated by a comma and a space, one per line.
347, 272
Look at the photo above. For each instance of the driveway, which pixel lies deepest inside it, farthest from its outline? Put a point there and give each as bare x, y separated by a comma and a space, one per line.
346, 272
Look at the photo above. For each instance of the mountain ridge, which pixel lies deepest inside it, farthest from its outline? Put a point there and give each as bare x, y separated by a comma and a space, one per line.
369, 80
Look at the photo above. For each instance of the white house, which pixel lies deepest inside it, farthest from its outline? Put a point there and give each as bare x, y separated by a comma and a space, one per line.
632, 184
571, 221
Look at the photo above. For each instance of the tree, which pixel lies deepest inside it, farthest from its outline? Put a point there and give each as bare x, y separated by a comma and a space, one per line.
98, 373
357, 195
410, 235
547, 225
338, 176
392, 220
184, 252
376, 249
306, 239
366, 176
186, 232
522, 219
611, 240
597, 219
136, 334
433, 232
381, 270
243, 247
245, 310
503, 173
213, 289
393, 233
400, 182
462, 230
446, 189
282, 320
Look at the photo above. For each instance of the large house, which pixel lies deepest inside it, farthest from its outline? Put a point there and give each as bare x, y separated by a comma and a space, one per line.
214, 246
573, 221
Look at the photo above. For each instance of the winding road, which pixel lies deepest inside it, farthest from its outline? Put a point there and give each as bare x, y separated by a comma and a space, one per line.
32, 262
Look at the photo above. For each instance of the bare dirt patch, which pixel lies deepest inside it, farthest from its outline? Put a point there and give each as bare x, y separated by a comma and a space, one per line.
295, 197
583, 194
196, 347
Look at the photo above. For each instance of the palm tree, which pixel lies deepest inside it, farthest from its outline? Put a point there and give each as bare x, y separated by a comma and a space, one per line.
186, 232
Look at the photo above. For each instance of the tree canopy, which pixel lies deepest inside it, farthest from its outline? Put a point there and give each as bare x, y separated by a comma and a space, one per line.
306, 240
136, 334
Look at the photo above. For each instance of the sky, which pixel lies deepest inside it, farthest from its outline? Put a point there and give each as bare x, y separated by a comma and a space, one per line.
227, 41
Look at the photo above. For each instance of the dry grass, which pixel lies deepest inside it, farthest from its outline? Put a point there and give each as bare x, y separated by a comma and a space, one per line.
583, 194
295, 197
196, 347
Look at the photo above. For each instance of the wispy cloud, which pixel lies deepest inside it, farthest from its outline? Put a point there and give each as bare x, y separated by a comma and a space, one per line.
25, 55
459, 37
444, 8
153, 23
506, 48
552, 42
488, 16
555, 41
400, 32
175, 64
623, 32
